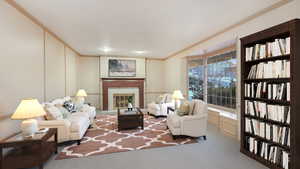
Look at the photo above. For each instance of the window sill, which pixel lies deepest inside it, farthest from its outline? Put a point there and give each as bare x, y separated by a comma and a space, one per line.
223, 113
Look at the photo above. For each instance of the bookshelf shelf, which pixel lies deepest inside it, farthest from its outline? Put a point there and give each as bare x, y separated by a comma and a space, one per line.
261, 160
268, 121
268, 141
277, 102
283, 38
282, 57
269, 80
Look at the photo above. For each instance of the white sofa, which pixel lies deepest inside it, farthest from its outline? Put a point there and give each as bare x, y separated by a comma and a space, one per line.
194, 124
161, 108
74, 126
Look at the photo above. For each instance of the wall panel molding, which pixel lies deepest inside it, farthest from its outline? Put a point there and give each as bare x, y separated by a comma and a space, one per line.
36, 21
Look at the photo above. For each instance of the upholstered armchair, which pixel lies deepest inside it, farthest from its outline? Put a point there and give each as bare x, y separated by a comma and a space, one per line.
193, 125
160, 107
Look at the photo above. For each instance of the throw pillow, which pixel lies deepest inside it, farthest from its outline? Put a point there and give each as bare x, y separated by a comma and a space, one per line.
160, 100
183, 109
65, 113
53, 113
192, 106
70, 106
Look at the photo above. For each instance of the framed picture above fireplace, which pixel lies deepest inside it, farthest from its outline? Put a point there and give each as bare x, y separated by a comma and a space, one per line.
121, 68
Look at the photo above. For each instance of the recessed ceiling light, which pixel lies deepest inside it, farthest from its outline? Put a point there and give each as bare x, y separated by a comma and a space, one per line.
140, 52
105, 49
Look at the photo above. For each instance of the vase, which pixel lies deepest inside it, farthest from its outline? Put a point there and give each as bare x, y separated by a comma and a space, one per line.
130, 106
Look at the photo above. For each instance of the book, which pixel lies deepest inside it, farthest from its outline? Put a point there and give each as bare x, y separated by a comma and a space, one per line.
271, 69
288, 45
278, 47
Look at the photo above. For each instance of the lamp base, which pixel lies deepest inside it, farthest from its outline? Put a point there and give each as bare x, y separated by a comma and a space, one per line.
80, 100
29, 127
177, 104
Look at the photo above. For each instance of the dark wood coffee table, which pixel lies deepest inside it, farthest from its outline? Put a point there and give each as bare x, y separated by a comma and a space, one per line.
130, 120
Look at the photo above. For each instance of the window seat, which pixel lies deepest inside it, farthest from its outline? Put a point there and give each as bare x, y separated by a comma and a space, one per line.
226, 122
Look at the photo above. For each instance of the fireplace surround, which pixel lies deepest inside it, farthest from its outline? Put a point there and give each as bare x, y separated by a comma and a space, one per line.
123, 83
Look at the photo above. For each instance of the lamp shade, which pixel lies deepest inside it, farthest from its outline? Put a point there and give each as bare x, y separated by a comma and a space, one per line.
177, 95
28, 109
81, 93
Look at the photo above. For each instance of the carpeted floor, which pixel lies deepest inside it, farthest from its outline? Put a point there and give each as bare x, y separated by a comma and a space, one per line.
217, 152
104, 138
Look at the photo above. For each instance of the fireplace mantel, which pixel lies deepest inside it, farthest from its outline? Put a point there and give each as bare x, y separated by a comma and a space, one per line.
122, 83
113, 78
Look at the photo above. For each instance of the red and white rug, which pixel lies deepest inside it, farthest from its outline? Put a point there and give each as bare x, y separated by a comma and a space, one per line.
104, 138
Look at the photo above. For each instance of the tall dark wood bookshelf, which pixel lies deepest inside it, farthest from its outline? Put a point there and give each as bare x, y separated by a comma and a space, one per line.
289, 29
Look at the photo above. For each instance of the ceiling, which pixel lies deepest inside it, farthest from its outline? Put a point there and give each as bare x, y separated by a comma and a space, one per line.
158, 27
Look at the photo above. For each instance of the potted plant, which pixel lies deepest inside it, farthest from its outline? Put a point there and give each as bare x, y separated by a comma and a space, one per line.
130, 107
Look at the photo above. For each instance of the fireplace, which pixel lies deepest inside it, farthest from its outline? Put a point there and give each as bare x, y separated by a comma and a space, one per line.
116, 92
118, 97
121, 100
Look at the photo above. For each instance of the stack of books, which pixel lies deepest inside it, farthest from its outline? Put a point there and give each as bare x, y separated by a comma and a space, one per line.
268, 111
271, 49
271, 69
265, 90
269, 152
275, 133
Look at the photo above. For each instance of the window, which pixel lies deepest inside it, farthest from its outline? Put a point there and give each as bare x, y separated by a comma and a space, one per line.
220, 87
196, 79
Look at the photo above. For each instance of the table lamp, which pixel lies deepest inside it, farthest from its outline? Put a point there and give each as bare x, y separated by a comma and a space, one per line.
177, 96
81, 94
27, 110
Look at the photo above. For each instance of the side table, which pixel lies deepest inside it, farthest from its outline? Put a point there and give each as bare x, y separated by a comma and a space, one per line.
23, 152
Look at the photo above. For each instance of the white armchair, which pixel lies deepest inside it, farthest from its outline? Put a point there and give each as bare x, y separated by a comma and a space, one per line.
194, 124
90, 110
161, 108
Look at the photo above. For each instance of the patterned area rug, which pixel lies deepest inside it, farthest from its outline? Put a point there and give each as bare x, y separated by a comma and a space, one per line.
104, 138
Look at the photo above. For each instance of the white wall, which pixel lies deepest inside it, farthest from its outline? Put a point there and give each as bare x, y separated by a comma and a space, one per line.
92, 69
24, 60
89, 79
140, 66
175, 73
55, 68
21, 64
72, 65
175, 66
272, 18
155, 79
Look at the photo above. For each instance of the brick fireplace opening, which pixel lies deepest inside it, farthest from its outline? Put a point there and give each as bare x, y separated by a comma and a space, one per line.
114, 88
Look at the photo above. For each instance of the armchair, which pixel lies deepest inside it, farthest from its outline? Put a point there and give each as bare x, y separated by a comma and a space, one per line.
194, 124
160, 107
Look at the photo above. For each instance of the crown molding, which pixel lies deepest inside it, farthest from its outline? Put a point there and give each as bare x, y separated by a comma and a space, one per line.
213, 53
36, 21
239, 23
155, 59
118, 56
92, 56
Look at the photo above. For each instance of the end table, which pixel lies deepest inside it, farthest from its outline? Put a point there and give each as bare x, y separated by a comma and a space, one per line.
28, 152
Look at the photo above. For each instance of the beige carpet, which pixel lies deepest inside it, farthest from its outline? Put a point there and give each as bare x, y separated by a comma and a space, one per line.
104, 138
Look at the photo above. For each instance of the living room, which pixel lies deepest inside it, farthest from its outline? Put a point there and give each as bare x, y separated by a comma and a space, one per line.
140, 84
